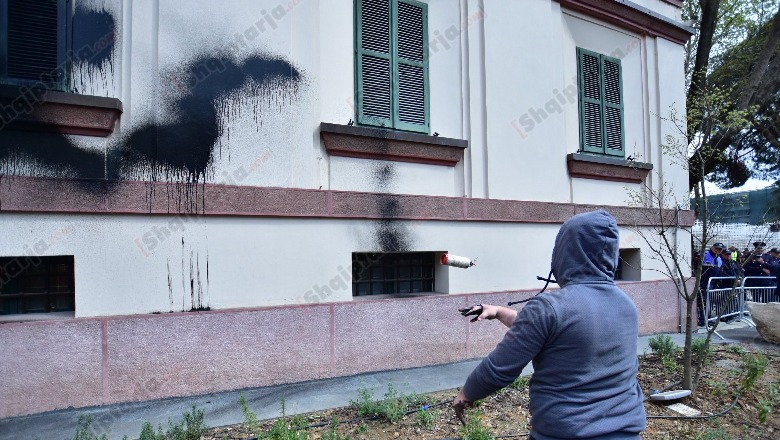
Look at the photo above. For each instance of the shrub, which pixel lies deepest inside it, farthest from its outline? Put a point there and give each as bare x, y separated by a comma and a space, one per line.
754, 366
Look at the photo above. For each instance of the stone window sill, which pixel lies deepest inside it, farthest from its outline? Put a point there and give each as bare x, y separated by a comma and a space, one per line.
58, 112
379, 144
36, 317
588, 166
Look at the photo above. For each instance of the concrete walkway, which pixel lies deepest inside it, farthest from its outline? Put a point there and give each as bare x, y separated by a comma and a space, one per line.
223, 408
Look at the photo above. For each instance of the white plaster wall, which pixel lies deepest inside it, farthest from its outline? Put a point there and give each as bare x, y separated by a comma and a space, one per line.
145, 264
520, 76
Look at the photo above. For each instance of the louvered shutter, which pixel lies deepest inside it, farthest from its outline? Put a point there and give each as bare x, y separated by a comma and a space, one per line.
601, 103
35, 41
591, 123
374, 63
613, 107
412, 66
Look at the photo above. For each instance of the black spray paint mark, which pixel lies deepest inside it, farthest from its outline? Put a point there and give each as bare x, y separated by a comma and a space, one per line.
180, 151
389, 234
94, 36
183, 150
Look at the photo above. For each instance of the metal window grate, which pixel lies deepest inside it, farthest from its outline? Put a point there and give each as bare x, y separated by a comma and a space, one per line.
30, 284
392, 273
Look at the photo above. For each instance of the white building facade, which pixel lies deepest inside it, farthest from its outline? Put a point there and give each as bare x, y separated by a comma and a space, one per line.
207, 196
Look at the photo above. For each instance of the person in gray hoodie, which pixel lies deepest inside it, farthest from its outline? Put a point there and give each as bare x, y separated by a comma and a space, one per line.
581, 339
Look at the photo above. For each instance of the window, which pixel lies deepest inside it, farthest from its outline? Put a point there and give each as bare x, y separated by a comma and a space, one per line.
392, 64
34, 43
391, 273
600, 104
629, 265
30, 284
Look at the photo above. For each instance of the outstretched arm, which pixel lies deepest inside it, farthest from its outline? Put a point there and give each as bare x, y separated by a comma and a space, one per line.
486, 311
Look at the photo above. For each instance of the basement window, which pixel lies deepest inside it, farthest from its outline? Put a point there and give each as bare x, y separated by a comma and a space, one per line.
31, 284
392, 273
629, 266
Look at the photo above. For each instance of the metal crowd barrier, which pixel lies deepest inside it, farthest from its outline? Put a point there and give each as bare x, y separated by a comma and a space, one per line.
726, 298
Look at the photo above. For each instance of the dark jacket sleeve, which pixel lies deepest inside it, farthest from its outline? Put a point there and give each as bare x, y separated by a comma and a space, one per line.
532, 328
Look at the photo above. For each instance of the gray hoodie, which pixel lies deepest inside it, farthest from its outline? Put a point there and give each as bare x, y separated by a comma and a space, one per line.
581, 339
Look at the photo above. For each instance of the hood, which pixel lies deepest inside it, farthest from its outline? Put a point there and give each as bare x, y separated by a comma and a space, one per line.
586, 249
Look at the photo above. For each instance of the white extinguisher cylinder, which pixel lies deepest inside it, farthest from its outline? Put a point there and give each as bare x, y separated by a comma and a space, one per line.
456, 261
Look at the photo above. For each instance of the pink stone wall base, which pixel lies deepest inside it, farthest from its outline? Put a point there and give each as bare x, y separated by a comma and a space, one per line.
94, 361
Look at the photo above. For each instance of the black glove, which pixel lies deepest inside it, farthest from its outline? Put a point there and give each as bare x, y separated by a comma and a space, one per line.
460, 410
473, 310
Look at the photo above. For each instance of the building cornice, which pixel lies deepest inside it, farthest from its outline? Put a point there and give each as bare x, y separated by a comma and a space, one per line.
632, 17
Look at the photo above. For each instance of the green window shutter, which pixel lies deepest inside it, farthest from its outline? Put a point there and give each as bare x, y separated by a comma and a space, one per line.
613, 107
600, 103
392, 64
412, 66
374, 63
34, 42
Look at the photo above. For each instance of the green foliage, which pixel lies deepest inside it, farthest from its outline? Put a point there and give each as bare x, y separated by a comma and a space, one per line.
663, 345
147, 432
520, 383
284, 429
191, 428
83, 432
391, 408
754, 366
718, 387
332, 433
426, 418
766, 406
735, 349
715, 433
473, 430
251, 423
666, 349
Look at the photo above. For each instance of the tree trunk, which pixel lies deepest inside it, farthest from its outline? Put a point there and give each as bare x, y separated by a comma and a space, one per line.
709, 19
687, 382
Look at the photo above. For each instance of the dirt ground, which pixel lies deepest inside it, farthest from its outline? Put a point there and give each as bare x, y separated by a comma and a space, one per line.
505, 415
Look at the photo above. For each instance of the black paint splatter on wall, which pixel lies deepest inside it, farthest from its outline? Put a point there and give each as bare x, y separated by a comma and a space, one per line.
94, 36
180, 151
183, 150
390, 235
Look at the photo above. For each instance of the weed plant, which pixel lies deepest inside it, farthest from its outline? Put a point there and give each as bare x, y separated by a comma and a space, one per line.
473, 430
754, 366
667, 350
426, 418
251, 423
391, 408
520, 383
83, 432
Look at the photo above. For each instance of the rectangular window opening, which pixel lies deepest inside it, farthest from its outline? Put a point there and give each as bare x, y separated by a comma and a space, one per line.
629, 265
377, 273
31, 284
